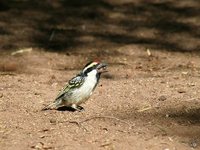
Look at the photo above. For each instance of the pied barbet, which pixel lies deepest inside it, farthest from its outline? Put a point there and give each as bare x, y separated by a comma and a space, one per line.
79, 88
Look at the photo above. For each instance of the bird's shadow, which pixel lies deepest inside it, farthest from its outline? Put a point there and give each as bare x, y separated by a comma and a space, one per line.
65, 108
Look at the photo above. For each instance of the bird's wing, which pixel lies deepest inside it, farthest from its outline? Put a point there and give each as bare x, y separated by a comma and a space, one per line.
75, 82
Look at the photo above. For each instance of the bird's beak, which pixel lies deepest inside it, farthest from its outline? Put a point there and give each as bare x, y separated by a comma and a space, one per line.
102, 67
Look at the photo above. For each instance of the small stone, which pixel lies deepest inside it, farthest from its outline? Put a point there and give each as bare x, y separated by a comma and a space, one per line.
184, 73
42, 136
181, 91
162, 82
193, 144
38, 146
45, 130
105, 129
191, 84
36, 93
162, 98
53, 121
167, 115
1, 95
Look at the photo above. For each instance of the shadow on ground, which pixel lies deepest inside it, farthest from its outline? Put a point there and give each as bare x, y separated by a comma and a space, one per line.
170, 121
187, 117
66, 25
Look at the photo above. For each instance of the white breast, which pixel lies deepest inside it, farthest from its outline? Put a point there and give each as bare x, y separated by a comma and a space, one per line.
84, 92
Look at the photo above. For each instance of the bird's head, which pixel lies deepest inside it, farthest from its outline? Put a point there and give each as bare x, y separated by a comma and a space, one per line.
94, 67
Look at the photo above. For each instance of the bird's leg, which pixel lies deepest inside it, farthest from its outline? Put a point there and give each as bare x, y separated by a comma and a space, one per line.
80, 108
76, 107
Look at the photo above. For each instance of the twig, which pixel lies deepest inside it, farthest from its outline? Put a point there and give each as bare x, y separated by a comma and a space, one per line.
106, 144
78, 124
105, 117
22, 51
149, 52
8, 73
192, 99
145, 109
52, 35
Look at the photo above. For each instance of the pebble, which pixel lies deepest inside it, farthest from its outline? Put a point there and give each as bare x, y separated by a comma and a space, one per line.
162, 98
53, 121
193, 144
38, 146
181, 91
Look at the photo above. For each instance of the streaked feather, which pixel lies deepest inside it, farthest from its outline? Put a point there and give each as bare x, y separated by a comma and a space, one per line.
75, 82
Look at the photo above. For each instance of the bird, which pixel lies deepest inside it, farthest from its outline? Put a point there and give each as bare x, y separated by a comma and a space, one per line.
79, 88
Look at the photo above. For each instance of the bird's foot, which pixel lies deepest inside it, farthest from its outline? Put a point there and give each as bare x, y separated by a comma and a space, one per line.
77, 107
80, 108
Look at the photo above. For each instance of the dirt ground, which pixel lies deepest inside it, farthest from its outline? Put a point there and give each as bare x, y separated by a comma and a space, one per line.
149, 99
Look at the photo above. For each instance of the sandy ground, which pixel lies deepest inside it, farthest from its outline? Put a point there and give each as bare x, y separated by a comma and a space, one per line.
149, 99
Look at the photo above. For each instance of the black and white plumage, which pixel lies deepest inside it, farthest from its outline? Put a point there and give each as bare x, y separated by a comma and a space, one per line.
79, 88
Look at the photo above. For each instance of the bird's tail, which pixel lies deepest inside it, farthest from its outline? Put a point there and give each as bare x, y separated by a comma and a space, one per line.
50, 106
57, 103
